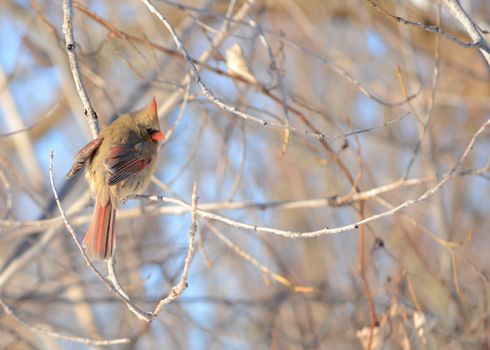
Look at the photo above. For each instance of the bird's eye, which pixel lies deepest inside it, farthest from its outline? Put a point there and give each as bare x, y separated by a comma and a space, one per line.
150, 131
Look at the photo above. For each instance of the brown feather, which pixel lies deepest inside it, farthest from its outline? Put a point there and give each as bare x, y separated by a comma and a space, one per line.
121, 162
83, 155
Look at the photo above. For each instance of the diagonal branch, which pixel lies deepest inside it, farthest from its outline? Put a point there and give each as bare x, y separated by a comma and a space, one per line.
427, 28
460, 14
131, 306
340, 229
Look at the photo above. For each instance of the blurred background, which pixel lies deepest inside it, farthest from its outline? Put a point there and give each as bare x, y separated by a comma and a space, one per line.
398, 106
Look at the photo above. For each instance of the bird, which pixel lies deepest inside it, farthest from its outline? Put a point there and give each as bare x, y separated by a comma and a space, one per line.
120, 163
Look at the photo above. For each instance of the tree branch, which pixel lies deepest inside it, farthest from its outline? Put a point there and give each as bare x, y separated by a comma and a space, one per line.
70, 47
460, 14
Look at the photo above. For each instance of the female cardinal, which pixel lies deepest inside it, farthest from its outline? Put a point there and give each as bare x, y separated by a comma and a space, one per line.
120, 164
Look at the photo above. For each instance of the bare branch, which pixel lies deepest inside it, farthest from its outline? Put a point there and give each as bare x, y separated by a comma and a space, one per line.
131, 306
179, 288
460, 14
435, 29
70, 47
328, 231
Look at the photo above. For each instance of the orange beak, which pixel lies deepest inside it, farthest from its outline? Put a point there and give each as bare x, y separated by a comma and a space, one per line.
158, 136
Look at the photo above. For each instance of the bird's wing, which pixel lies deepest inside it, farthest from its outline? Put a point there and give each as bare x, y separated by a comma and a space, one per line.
125, 161
83, 155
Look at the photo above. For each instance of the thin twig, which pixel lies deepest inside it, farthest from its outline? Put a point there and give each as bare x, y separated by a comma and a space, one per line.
361, 269
182, 108
430, 108
75, 70
280, 81
179, 288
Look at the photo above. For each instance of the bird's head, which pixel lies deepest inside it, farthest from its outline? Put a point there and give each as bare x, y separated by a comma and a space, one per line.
148, 124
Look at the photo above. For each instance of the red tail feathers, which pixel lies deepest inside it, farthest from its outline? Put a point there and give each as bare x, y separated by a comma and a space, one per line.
99, 240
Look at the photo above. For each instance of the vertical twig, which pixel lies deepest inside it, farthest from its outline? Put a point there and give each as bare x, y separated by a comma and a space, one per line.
362, 276
72, 56
282, 88
430, 108
179, 288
